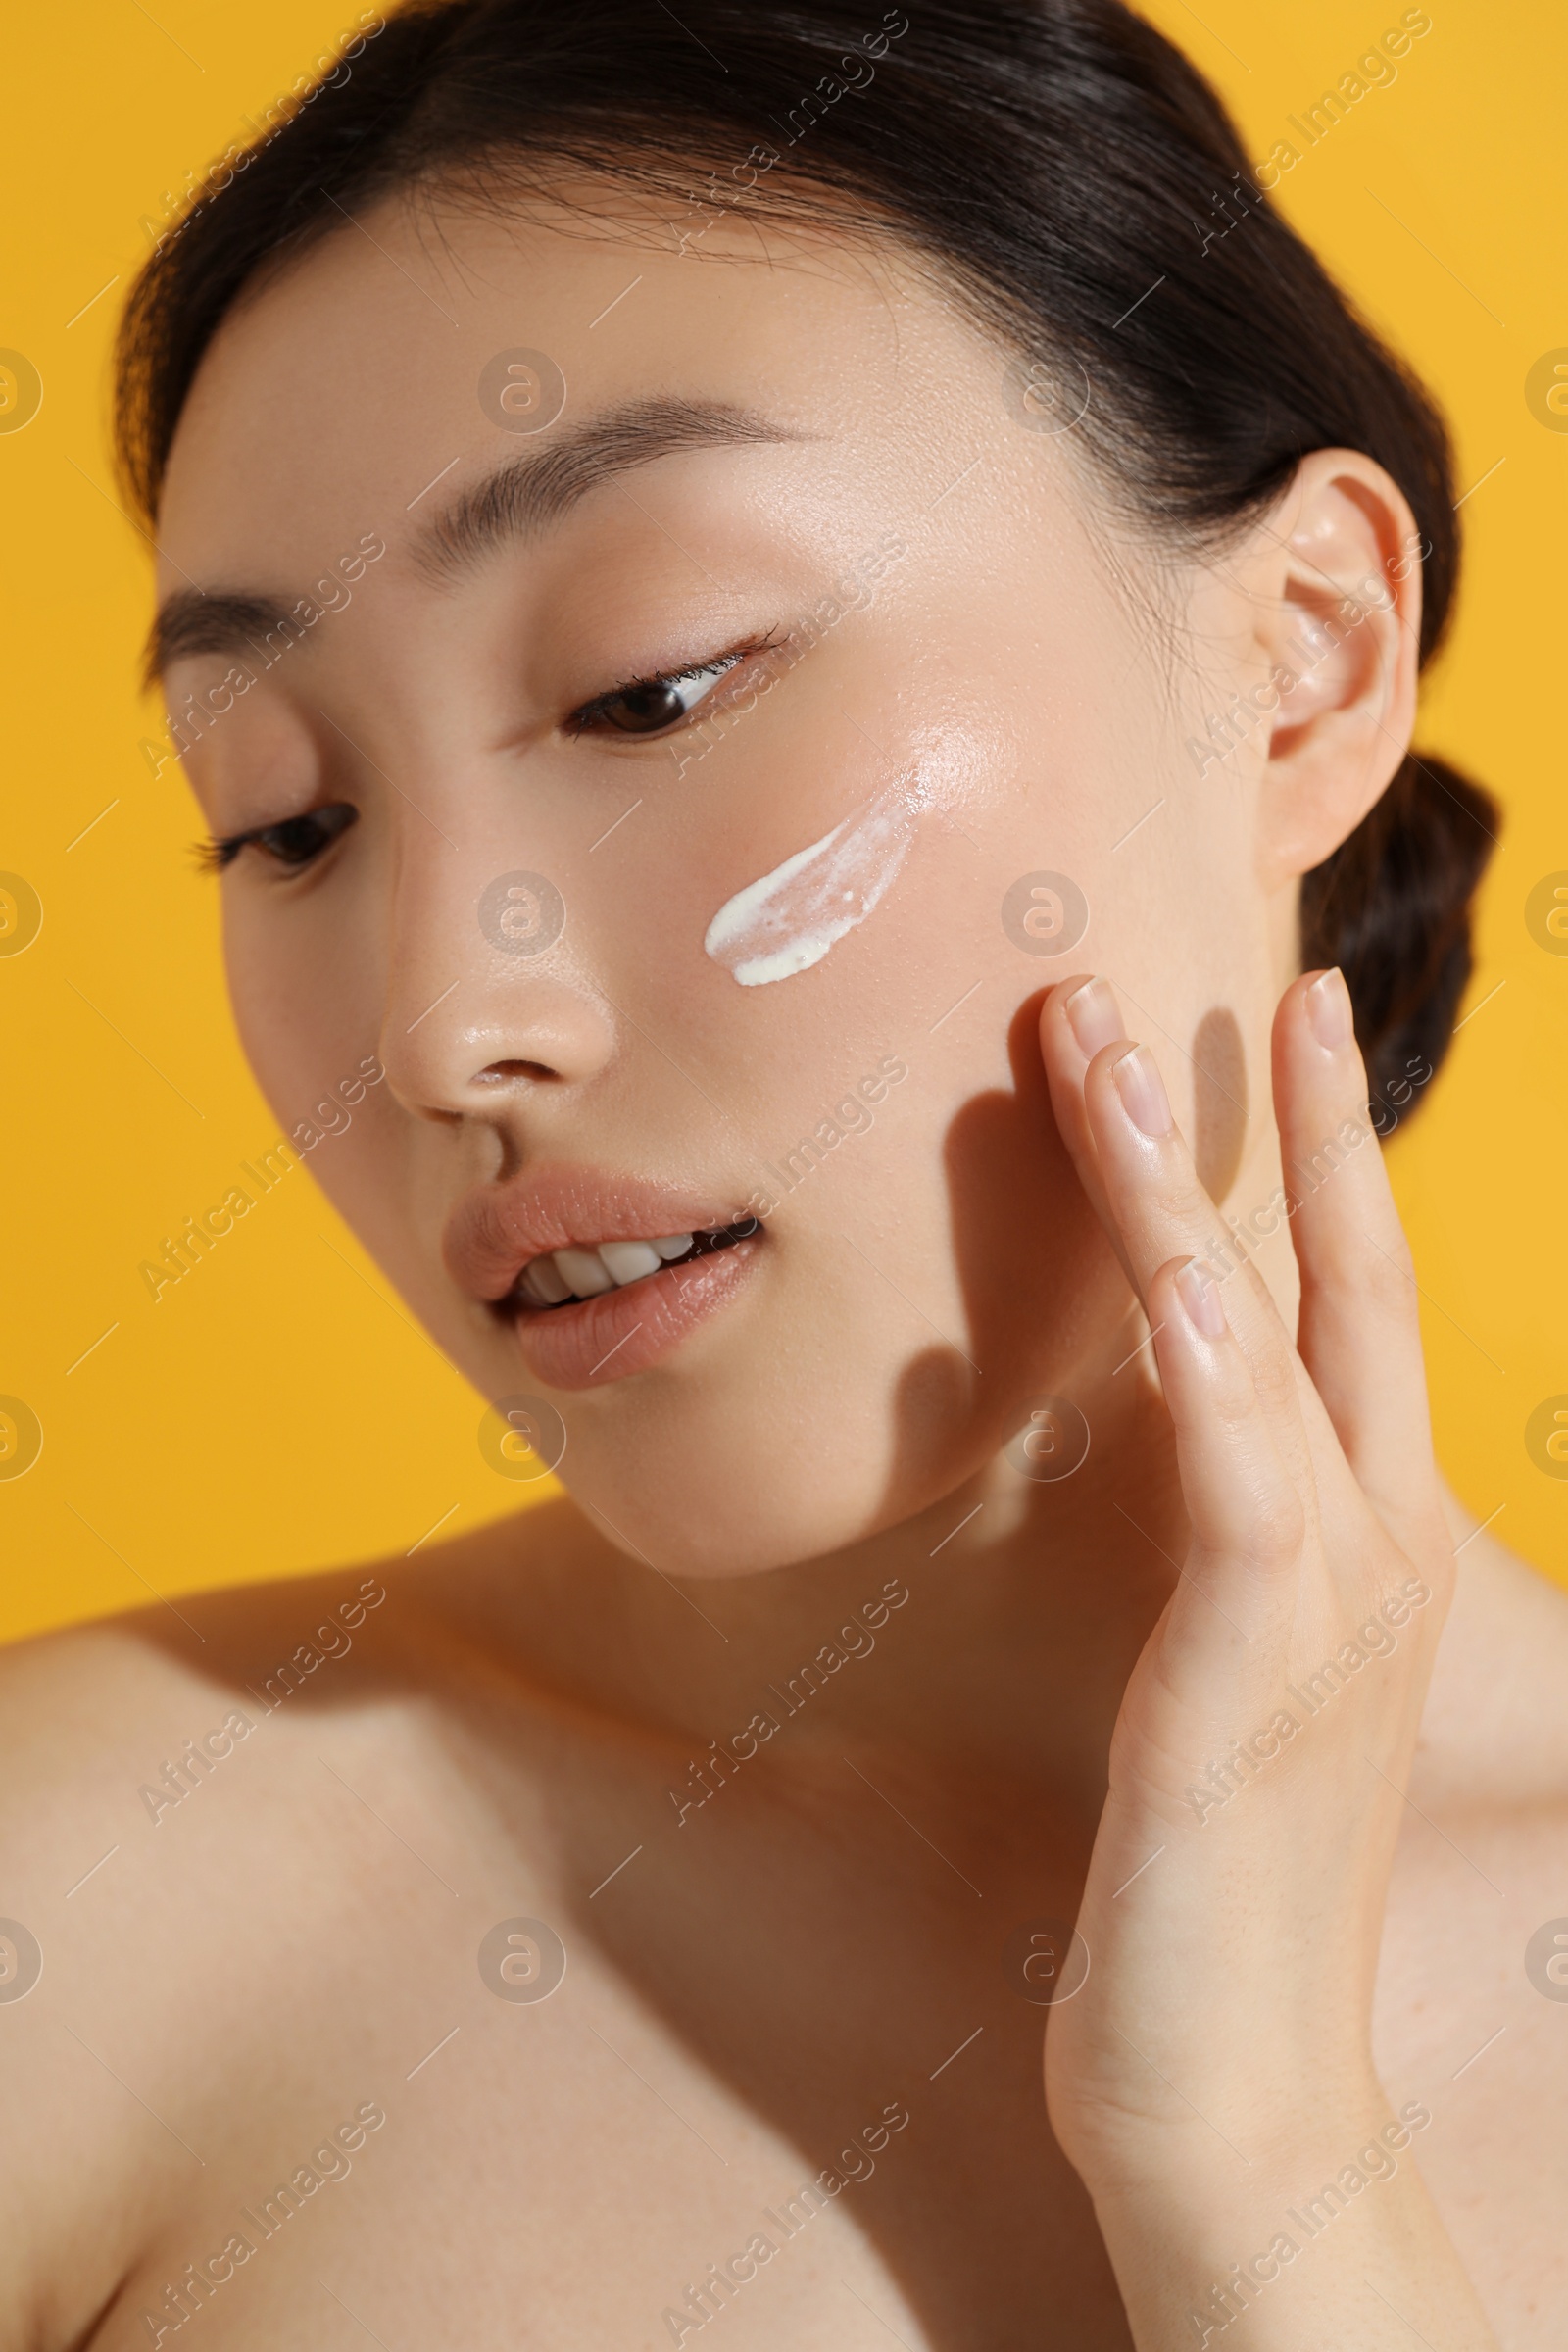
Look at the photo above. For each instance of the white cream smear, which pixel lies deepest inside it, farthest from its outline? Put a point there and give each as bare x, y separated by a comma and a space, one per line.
787, 921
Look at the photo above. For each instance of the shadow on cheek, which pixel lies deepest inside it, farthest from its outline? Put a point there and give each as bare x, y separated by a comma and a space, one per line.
934, 1405
1033, 1263
1220, 1080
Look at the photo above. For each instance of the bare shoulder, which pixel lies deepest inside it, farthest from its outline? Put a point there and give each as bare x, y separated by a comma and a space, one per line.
1494, 1736
192, 1863
1472, 2018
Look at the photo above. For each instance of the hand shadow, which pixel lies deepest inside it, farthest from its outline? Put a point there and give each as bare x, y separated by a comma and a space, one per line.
822, 1952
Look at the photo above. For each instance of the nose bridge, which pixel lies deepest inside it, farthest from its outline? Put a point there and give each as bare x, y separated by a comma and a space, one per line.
481, 979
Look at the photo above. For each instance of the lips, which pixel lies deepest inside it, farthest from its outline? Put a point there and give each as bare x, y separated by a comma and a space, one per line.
672, 1258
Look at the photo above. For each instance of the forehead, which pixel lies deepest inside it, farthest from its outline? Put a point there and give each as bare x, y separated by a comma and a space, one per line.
367, 378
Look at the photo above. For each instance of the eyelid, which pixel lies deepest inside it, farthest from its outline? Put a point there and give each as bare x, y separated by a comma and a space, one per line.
732, 658
217, 853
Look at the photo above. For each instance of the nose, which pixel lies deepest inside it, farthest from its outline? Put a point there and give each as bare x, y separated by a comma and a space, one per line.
487, 995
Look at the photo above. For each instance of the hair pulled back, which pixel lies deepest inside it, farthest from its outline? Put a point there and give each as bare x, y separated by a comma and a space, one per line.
1061, 166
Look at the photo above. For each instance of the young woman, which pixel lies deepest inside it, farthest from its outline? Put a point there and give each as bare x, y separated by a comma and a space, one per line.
809, 670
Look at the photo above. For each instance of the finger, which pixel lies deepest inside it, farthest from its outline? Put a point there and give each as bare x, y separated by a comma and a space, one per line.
1068, 1042
1359, 1332
1079, 1018
1249, 1527
1154, 1204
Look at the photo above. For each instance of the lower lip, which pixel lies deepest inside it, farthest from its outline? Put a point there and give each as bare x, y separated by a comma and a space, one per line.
596, 1341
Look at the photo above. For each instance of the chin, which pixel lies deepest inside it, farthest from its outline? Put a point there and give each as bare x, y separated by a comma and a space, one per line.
739, 1469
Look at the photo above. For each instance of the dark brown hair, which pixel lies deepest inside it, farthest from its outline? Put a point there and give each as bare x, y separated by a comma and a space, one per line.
1063, 167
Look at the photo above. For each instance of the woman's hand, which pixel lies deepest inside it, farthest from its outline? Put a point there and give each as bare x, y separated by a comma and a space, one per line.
1213, 2079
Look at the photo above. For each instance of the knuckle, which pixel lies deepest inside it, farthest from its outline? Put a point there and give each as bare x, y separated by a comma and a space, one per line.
1274, 1378
1234, 1399
1272, 1382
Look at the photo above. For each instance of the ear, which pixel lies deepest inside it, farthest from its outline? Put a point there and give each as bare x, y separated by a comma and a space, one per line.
1338, 626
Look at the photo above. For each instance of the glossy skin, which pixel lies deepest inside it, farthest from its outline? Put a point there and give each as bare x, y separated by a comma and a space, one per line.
755, 1980
996, 648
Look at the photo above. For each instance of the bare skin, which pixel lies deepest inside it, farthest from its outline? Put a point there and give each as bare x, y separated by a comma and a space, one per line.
778, 1969
1024, 1677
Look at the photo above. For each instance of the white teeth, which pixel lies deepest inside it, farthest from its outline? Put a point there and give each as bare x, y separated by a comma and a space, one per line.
584, 1271
629, 1261
589, 1273
542, 1282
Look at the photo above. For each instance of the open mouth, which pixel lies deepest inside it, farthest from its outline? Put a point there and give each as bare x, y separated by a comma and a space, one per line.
594, 1274
585, 1317
564, 1278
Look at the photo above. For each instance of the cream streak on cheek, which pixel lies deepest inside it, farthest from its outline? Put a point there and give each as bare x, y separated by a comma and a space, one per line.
787, 921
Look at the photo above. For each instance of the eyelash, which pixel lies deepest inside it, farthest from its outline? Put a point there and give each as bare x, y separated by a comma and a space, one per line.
214, 856
581, 720
216, 853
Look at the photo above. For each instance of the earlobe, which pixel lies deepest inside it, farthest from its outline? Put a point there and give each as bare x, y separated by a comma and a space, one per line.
1341, 620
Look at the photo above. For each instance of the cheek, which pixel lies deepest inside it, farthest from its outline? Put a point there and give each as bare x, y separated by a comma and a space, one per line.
771, 929
953, 1170
831, 856
307, 1006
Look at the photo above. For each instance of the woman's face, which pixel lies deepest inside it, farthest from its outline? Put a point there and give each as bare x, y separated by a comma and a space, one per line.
567, 925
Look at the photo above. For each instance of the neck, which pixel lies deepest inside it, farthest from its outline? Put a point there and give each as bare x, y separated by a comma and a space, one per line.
985, 1643
985, 1639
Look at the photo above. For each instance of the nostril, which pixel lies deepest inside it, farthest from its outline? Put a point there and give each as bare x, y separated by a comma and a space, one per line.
497, 1072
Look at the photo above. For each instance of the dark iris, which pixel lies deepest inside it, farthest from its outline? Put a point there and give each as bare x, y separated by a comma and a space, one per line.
299, 839
642, 709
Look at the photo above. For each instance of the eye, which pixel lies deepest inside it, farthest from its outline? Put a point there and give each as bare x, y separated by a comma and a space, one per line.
647, 705
294, 844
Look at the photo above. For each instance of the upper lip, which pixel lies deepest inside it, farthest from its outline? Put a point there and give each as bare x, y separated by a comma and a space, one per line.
496, 1229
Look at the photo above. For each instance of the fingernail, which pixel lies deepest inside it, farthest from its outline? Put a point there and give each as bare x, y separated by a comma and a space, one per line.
1327, 1009
1093, 1015
1201, 1299
1142, 1091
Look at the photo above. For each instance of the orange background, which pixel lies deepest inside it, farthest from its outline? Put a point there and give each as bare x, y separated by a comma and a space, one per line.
278, 1411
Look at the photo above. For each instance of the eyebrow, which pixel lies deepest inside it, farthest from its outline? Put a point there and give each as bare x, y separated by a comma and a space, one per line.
516, 500
192, 622
531, 492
